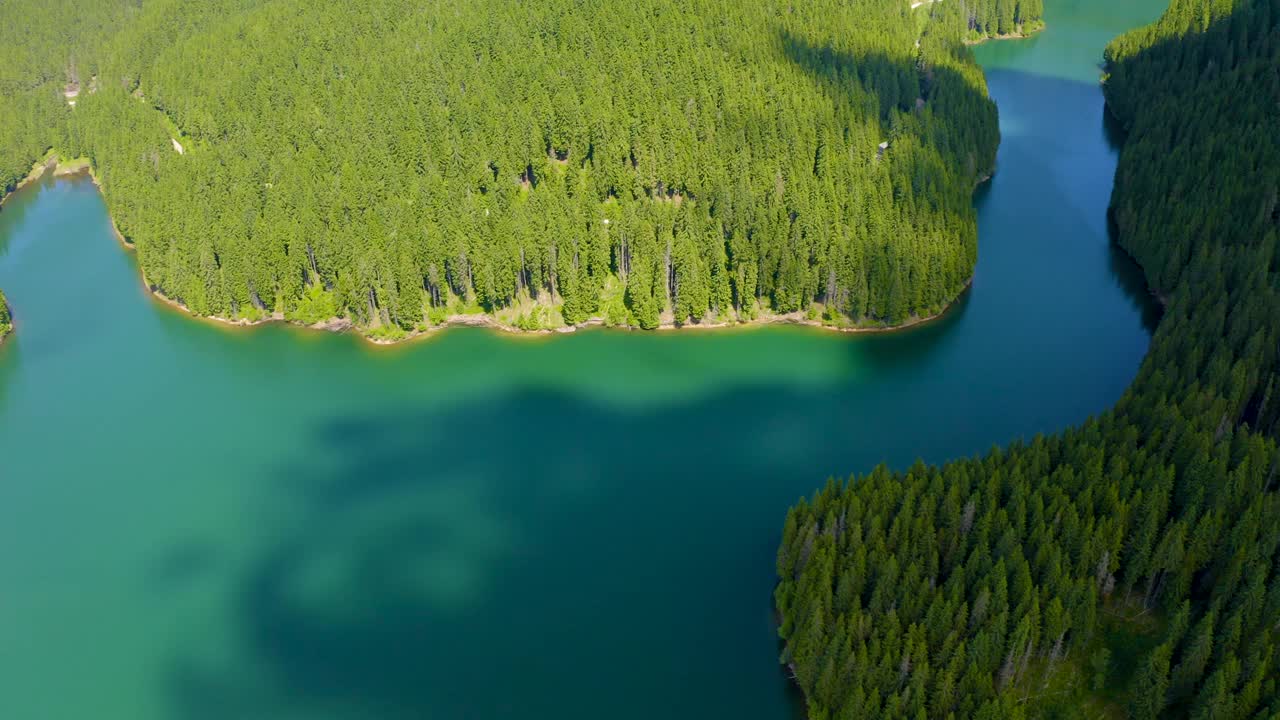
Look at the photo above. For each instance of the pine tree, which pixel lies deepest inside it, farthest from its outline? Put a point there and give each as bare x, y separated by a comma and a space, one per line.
1195, 658
1147, 692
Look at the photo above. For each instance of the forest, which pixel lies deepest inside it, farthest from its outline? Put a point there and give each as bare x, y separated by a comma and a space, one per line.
1129, 567
545, 162
1003, 18
39, 46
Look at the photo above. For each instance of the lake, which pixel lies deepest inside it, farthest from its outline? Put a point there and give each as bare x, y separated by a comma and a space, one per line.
199, 522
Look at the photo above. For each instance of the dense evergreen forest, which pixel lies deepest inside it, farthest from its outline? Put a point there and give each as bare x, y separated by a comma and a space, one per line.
1129, 567
555, 161
41, 46
1003, 18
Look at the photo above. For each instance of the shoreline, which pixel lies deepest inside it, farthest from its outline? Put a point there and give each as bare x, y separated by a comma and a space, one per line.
38, 169
1011, 36
341, 325
344, 326
49, 162
7, 329
8, 324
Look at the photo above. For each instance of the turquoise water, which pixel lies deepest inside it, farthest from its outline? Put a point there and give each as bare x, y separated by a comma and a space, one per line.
198, 522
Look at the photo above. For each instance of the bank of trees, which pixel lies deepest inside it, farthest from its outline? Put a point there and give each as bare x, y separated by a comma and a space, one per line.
998, 18
28, 120
6, 320
46, 47
683, 161
1134, 561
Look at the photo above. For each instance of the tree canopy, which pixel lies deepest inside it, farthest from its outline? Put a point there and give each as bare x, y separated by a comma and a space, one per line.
1003, 18
1133, 562
42, 47
643, 162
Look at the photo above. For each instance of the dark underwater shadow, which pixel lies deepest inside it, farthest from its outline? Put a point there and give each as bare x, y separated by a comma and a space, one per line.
585, 564
905, 350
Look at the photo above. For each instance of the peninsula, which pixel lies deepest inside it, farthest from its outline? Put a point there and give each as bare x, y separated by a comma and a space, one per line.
816, 169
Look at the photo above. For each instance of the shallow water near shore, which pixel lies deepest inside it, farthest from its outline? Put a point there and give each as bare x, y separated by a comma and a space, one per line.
205, 522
